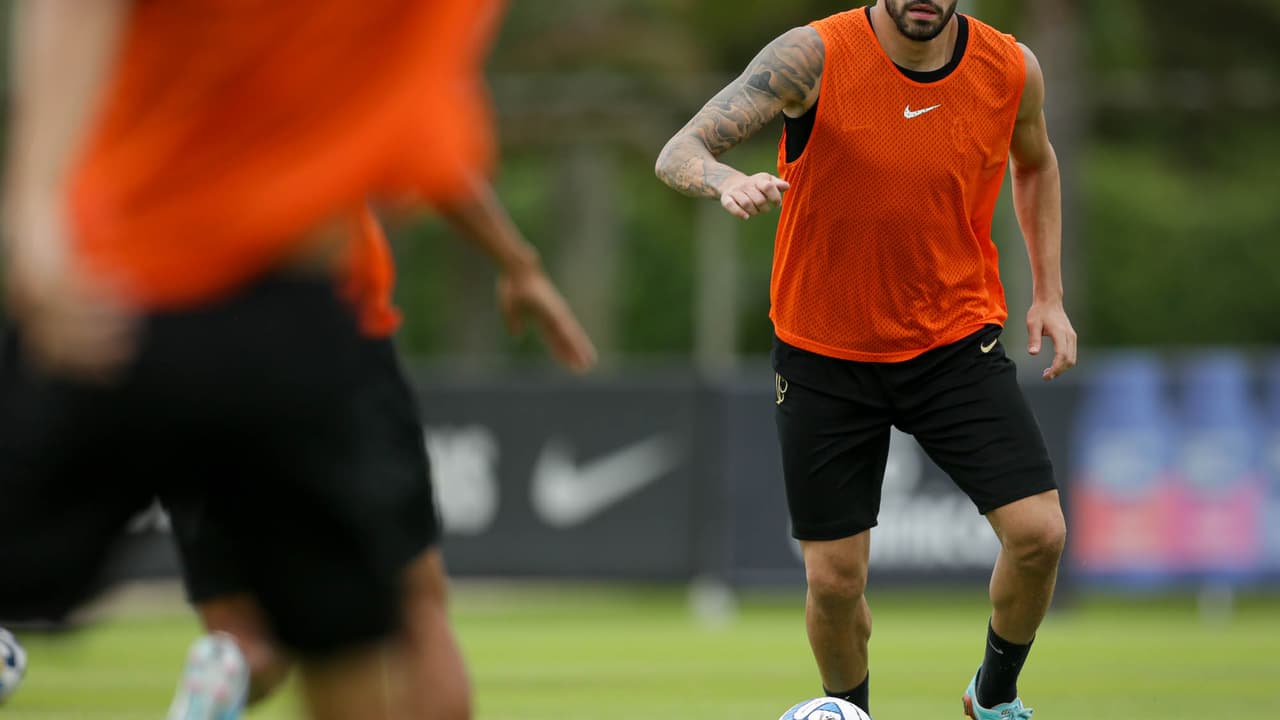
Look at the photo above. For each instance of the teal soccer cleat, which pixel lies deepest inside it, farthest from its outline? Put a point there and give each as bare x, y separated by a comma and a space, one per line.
1004, 711
214, 683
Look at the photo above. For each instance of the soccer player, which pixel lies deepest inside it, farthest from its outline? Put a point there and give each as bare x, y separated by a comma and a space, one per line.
900, 119
182, 180
395, 476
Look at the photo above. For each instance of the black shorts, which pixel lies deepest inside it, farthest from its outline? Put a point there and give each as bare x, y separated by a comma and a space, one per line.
392, 486
962, 403
247, 406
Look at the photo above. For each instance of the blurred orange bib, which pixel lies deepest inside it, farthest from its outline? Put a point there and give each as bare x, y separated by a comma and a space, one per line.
232, 127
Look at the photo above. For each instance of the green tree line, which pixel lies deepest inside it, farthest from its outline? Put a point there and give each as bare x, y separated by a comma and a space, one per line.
1173, 235
1166, 114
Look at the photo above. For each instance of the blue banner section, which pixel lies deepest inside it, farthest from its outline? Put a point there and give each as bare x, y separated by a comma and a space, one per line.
1176, 470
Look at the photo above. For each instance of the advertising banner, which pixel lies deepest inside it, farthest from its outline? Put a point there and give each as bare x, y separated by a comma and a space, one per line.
564, 479
1169, 468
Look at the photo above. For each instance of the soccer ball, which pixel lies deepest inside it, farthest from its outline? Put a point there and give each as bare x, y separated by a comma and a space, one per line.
825, 708
13, 664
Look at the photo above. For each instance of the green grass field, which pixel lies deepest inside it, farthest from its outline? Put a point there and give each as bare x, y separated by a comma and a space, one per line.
574, 654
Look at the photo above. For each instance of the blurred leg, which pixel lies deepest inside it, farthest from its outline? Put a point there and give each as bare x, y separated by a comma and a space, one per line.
434, 684
364, 684
240, 617
836, 612
437, 675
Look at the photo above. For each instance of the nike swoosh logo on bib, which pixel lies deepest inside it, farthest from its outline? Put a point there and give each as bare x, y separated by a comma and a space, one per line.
909, 113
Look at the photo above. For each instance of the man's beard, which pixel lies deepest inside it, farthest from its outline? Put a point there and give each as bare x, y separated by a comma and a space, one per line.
911, 28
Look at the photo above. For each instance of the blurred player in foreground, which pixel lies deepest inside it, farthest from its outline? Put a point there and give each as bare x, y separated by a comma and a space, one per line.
184, 176
886, 300
397, 475
396, 478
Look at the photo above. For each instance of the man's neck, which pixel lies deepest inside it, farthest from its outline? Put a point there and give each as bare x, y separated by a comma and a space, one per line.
922, 56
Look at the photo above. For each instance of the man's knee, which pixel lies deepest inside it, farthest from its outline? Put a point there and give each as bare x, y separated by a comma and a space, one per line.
1039, 545
834, 584
835, 575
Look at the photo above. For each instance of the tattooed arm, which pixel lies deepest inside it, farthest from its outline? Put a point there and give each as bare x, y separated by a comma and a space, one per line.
784, 78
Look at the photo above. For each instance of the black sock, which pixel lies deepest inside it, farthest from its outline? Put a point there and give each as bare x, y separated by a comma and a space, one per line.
998, 679
860, 696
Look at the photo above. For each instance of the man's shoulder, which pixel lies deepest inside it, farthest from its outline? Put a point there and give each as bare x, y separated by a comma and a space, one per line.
986, 32
844, 20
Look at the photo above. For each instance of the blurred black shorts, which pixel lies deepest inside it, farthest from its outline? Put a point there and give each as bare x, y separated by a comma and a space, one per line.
247, 406
391, 487
961, 401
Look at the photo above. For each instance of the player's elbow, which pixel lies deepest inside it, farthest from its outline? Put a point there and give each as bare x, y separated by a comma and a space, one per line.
675, 154
662, 166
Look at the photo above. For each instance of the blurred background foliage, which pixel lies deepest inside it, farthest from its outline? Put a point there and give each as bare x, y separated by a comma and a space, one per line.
1168, 136
1169, 140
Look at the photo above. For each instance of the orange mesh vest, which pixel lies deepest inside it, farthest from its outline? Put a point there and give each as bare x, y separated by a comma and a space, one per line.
231, 128
884, 247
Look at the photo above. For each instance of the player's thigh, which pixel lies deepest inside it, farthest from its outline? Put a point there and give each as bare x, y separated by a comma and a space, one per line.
306, 557
438, 684
206, 545
217, 584
1032, 525
394, 484
64, 501
370, 483
838, 567
970, 416
834, 452
369, 489
272, 364
275, 374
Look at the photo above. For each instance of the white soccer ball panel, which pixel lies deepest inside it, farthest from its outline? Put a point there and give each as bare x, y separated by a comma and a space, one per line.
825, 708
13, 664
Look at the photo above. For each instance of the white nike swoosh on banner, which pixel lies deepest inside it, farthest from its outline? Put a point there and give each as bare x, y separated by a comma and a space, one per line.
909, 113
565, 493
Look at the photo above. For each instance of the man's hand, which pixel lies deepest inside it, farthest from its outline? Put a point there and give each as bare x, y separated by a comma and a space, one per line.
527, 293
77, 330
72, 325
1049, 319
749, 195
524, 290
